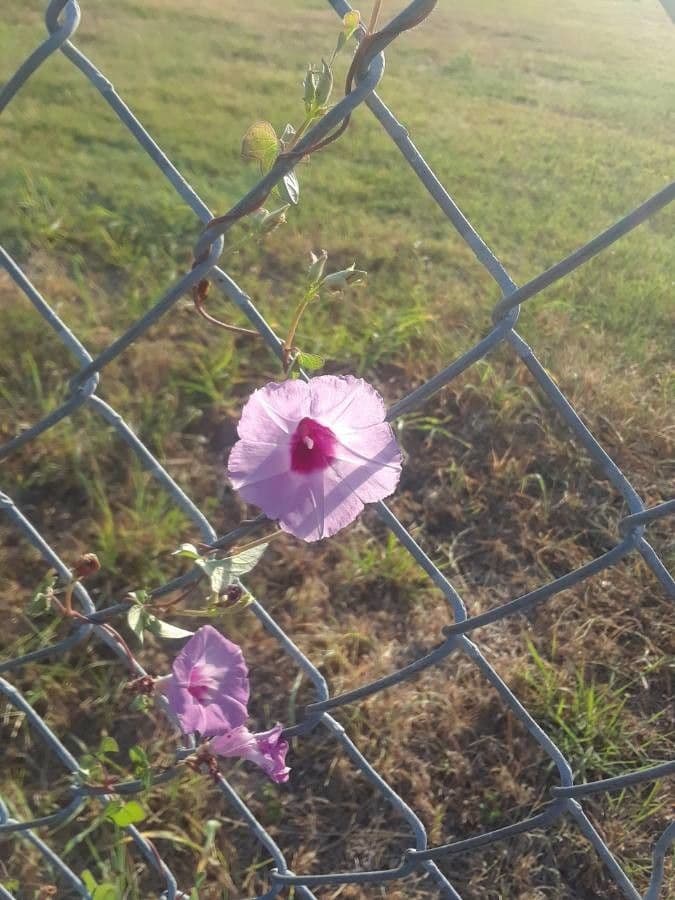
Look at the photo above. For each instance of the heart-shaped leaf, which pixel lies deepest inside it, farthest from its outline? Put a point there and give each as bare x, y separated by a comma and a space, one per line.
310, 361
165, 630
261, 144
123, 814
137, 619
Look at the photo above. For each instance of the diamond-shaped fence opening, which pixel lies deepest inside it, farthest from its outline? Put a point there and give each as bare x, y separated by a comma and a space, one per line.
566, 802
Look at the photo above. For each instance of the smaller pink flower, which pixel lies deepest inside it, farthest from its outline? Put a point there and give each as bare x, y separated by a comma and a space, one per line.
208, 689
266, 749
312, 454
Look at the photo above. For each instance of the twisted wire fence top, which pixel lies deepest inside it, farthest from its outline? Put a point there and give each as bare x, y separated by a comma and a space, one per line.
62, 20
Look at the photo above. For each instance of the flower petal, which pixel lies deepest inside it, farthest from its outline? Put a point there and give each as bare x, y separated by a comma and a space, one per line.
370, 465
207, 719
267, 749
274, 411
222, 663
345, 403
321, 507
273, 495
314, 506
362, 465
252, 462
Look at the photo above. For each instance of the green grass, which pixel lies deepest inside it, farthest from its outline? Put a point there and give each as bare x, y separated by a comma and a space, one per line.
546, 123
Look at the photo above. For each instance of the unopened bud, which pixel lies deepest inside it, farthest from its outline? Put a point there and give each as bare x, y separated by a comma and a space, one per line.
317, 265
201, 290
266, 222
309, 95
324, 85
340, 281
86, 565
275, 218
145, 685
234, 593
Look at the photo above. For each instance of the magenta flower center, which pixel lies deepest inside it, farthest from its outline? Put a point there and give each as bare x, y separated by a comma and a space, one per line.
200, 683
312, 447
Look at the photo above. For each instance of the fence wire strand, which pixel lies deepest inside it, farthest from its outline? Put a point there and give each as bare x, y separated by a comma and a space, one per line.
62, 20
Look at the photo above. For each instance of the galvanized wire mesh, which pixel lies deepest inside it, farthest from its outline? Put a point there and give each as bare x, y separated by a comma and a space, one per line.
62, 20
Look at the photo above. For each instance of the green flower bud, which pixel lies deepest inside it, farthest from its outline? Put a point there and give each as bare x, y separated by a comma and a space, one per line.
340, 281
265, 221
310, 88
318, 264
324, 85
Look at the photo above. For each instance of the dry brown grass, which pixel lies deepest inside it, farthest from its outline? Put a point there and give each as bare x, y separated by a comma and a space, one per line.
503, 500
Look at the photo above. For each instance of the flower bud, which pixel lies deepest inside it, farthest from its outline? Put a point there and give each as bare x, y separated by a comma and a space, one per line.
324, 85
276, 218
309, 88
232, 594
266, 222
340, 281
316, 267
86, 565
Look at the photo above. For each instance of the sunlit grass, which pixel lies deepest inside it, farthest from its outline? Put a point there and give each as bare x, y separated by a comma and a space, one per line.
545, 125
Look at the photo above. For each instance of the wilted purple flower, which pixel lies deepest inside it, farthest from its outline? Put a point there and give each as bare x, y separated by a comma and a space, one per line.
266, 749
311, 454
208, 689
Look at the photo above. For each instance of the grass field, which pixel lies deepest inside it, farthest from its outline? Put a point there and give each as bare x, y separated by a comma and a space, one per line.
545, 123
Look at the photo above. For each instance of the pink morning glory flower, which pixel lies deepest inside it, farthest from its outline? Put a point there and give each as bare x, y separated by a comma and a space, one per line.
312, 454
208, 689
266, 749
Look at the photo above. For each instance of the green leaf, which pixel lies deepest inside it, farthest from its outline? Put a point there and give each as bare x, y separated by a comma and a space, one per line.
141, 765
105, 891
289, 188
222, 572
324, 85
189, 551
350, 22
261, 144
88, 762
138, 756
309, 89
141, 703
123, 814
311, 361
40, 602
137, 620
88, 879
219, 572
244, 562
139, 597
108, 745
163, 629
38, 605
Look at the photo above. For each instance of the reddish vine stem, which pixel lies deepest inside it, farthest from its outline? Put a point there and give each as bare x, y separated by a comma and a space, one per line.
66, 610
382, 37
201, 289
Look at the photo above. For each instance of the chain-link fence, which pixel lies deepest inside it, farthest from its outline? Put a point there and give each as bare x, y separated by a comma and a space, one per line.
566, 802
